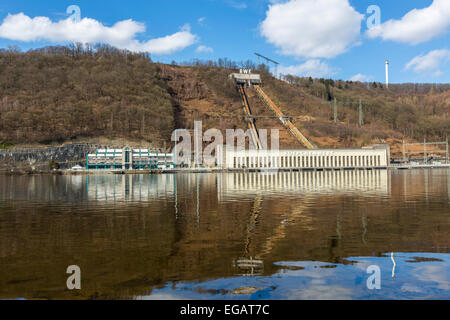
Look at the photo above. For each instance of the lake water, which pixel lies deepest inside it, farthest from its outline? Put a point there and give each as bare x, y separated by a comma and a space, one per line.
300, 235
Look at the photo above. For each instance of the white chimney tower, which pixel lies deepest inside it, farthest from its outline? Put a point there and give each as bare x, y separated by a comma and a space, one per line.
387, 73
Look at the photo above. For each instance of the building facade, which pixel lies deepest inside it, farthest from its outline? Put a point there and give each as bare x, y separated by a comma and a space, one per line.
129, 159
367, 158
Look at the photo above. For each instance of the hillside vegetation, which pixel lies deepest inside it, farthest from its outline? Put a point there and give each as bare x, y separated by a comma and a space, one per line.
62, 93
59, 94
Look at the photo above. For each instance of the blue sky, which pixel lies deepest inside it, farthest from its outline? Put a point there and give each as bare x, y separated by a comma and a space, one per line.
326, 38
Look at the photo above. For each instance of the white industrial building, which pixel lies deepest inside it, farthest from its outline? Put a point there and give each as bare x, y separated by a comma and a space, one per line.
376, 157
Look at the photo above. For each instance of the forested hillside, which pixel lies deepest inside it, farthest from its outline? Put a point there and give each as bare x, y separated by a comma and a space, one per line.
60, 94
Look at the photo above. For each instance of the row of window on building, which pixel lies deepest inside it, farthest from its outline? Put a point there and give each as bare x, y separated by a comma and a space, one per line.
360, 161
129, 159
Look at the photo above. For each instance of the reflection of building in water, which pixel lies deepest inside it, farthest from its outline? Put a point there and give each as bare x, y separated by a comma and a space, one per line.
305, 184
250, 266
129, 187
128, 159
243, 184
373, 157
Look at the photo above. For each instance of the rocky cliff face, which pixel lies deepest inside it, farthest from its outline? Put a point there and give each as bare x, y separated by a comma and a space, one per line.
39, 159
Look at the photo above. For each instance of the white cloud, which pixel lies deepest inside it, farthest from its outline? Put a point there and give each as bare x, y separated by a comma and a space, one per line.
429, 63
361, 78
436, 274
204, 49
311, 68
122, 35
237, 4
312, 28
417, 26
313, 291
201, 21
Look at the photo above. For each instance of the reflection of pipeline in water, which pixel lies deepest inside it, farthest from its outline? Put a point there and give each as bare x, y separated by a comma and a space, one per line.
242, 184
364, 226
297, 212
254, 214
255, 265
129, 187
247, 263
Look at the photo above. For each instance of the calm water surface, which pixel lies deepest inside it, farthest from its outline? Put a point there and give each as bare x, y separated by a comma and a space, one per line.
227, 236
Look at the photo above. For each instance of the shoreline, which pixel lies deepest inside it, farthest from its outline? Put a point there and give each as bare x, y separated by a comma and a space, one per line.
209, 170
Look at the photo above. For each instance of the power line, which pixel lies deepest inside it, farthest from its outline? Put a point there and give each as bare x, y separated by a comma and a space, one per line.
348, 103
268, 60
